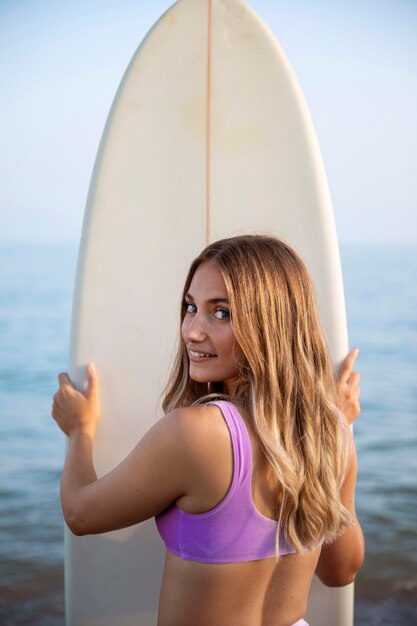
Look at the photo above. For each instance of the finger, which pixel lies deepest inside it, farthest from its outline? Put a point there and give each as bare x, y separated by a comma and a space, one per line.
92, 381
55, 412
56, 399
353, 380
353, 397
347, 365
64, 379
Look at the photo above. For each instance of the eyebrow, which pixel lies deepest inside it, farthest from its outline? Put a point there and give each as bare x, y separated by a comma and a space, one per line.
211, 300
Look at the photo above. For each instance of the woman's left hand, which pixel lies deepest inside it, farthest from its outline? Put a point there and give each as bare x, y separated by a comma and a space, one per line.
348, 389
73, 410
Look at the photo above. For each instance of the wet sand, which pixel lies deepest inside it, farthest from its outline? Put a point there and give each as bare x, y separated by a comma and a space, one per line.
38, 601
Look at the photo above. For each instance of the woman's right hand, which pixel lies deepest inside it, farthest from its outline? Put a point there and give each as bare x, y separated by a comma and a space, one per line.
347, 387
73, 410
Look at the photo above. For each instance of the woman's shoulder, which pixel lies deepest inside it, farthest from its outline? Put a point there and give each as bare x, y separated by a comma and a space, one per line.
203, 449
198, 429
195, 419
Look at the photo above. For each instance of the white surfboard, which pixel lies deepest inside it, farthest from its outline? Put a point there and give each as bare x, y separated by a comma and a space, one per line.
209, 136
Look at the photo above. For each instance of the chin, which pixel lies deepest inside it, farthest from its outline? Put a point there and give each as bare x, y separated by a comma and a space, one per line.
199, 379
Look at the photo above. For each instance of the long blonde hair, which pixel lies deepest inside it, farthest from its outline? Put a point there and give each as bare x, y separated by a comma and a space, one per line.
286, 381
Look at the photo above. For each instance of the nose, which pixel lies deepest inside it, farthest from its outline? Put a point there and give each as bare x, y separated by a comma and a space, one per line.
194, 328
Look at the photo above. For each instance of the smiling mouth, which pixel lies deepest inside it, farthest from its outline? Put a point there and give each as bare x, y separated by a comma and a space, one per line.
201, 355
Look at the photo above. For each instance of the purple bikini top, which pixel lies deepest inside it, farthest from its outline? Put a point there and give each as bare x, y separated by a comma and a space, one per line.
233, 531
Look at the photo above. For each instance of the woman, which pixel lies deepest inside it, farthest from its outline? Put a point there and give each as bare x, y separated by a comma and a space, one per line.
251, 472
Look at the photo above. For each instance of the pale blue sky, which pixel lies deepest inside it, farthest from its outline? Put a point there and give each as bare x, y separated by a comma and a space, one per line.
61, 63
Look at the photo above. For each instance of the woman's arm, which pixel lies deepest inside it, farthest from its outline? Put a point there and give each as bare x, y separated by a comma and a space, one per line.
340, 561
156, 472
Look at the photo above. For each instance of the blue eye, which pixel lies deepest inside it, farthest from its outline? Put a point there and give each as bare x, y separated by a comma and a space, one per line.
190, 308
222, 314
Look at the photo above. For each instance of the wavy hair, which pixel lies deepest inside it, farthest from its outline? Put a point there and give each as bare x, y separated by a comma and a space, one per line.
286, 381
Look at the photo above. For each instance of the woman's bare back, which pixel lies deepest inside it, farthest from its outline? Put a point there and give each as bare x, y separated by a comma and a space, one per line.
254, 593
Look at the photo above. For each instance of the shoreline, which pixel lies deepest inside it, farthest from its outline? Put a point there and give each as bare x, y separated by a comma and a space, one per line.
39, 601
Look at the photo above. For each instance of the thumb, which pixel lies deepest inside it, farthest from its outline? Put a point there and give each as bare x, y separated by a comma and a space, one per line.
92, 381
347, 365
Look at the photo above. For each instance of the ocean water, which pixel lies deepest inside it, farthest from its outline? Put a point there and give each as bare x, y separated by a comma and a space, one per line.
36, 283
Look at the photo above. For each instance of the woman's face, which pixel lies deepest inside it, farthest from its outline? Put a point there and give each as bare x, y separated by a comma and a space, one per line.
206, 330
